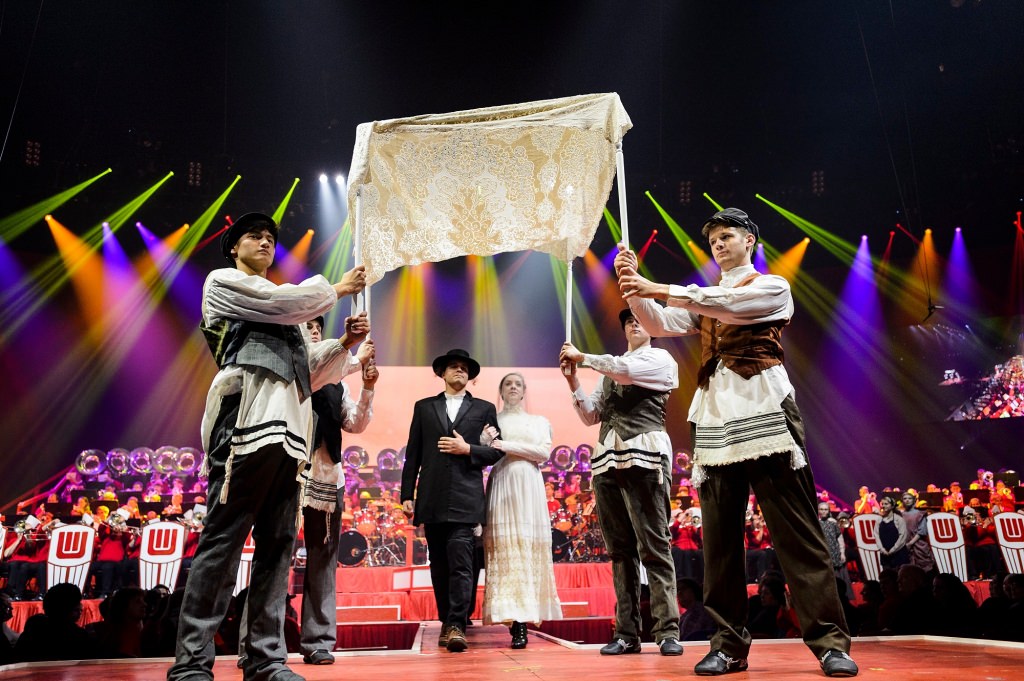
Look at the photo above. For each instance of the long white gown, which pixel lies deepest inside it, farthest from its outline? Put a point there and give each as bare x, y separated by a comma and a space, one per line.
520, 583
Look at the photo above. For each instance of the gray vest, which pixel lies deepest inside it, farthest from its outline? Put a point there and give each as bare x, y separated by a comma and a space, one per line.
278, 348
630, 410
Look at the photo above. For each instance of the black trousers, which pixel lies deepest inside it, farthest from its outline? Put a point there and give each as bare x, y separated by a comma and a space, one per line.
451, 547
789, 501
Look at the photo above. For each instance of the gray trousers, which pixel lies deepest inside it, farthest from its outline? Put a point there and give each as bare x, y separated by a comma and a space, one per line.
633, 509
789, 502
262, 495
319, 598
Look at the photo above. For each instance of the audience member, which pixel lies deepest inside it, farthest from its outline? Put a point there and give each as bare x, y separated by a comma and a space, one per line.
992, 612
774, 619
9, 637
55, 634
981, 544
849, 609
760, 554
695, 623
891, 535
120, 632
687, 544
868, 610
918, 547
955, 606
1013, 585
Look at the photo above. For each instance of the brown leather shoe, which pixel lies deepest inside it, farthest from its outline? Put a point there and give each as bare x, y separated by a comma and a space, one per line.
456, 640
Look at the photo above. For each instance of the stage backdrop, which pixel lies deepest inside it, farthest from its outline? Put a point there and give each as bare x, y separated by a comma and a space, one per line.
400, 387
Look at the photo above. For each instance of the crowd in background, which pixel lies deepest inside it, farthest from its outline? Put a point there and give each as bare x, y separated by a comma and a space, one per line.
910, 596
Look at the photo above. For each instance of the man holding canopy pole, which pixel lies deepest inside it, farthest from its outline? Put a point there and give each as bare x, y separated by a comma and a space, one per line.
747, 433
631, 478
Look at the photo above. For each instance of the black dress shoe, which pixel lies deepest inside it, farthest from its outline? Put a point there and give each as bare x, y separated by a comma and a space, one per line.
621, 646
838, 663
518, 630
319, 656
670, 646
717, 663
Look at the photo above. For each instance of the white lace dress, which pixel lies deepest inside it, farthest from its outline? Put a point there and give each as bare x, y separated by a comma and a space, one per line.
520, 580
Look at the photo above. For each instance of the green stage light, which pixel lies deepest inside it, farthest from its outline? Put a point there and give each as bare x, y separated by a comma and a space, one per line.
17, 223
281, 207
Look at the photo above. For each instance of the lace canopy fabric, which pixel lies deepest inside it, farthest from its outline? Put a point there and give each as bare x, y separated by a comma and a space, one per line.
509, 178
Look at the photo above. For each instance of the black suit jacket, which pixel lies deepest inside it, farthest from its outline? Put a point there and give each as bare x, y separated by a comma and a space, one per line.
451, 487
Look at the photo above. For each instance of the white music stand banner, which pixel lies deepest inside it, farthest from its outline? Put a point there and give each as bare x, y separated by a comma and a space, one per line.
244, 565
864, 528
163, 545
70, 555
1010, 533
946, 536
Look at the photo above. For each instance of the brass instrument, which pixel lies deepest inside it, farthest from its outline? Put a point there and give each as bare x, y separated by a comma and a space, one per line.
695, 521
355, 457
749, 516
193, 522
844, 523
969, 519
564, 458
33, 533
118, 523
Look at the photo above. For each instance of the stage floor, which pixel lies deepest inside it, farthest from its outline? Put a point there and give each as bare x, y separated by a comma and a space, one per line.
488, 658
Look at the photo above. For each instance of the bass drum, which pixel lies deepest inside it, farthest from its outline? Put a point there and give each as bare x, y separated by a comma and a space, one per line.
560, 545
352, 548
365, 521
561, 520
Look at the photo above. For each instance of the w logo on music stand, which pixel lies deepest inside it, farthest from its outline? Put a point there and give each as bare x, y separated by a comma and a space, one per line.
163, 544
864, 529
70, 555
244, 565
1010, 533
946, 536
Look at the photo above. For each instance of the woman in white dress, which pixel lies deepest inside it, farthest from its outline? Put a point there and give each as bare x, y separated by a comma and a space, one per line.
520, 584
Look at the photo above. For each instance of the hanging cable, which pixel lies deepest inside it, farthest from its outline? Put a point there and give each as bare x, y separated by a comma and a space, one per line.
24, 73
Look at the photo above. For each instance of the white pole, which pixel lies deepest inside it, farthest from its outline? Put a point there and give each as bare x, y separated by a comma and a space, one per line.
568, 308
620, 172
357, 244
568, 302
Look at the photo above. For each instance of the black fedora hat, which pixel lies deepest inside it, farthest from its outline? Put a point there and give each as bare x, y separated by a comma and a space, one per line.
241, 226
441, 363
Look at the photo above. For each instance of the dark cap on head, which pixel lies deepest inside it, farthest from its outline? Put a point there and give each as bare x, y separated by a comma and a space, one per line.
733, 217
626, 315
458, 354
320, 320
242, 226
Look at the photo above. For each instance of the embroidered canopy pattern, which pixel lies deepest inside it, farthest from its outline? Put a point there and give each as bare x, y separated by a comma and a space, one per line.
526, 176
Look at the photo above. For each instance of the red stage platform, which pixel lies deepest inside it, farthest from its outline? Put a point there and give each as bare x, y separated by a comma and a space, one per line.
367, 594
489, 658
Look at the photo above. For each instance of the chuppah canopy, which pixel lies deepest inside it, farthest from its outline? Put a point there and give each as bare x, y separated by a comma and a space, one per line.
534, 175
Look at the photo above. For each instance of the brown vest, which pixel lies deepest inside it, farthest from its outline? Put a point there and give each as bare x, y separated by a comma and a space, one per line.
747, 349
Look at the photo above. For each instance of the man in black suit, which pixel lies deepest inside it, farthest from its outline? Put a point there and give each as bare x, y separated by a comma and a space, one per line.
445, 454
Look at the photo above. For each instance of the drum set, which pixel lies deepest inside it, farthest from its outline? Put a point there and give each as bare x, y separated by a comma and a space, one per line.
576, 538
377, 539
